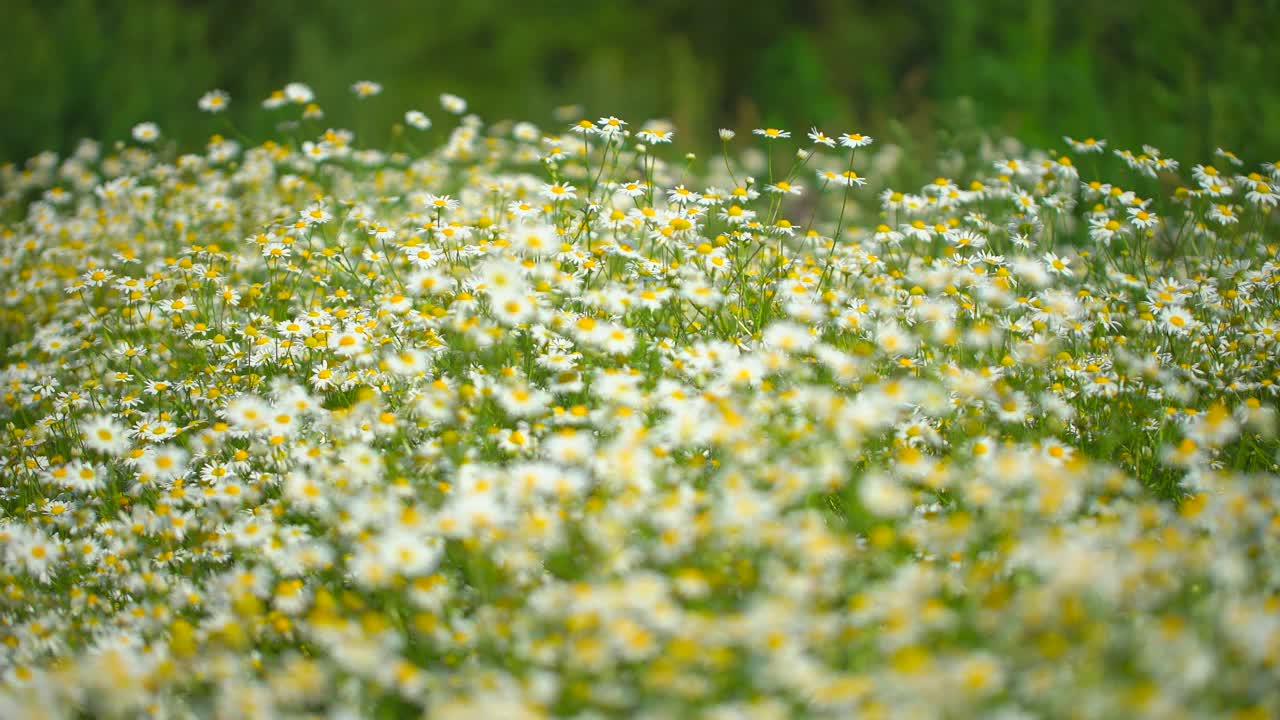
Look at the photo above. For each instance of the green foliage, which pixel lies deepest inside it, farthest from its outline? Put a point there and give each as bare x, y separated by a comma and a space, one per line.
1186, 76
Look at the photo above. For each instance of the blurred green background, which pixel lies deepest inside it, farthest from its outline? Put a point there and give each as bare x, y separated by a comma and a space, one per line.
1185, 76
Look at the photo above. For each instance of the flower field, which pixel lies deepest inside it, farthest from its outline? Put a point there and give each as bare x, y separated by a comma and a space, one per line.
505, 421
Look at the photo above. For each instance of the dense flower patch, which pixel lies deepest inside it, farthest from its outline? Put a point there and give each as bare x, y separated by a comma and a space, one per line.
513, 423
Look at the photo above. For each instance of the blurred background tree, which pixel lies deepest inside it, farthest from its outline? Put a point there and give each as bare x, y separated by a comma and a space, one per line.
1185, 76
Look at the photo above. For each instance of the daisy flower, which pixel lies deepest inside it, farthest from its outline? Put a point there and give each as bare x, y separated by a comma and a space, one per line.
146, 132
1142, 218
850, 178
417, 119
559, 191
103, 434
366, 88
1224, 215
771, 133
214, 101
1262, 195
1104, 229
452, 103
1087, 145
855, 140
1178, 320
783, 187
299, 93
347, 343
820, 138
655, 135
1228, 156
610, 125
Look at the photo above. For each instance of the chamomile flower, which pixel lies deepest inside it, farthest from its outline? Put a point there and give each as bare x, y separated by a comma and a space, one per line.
299, 93
1263, 195
433, 428
164, 462
655, 136
146, 132
632, 189
104, 434
173, 306
850, 178
214, 101
1229, 156
1142, 218
1206, 174
783, 187
1104, 229
536, 239
417, 119
771, 133
1224, 214
366, 89
855, 140
512, 308
820, 138
440, 203
559, 191
347, 342
453, 104
1178, 320
609, 126
1087, 145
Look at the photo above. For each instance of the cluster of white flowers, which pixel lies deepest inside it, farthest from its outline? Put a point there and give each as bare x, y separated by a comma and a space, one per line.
551, 424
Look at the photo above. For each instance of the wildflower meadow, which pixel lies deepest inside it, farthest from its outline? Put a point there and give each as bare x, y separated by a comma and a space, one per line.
505, 421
